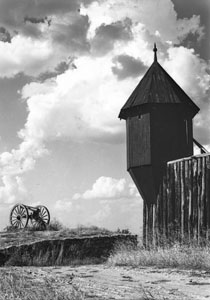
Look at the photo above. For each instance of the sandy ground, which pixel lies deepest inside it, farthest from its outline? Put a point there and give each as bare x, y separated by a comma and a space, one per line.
104, 282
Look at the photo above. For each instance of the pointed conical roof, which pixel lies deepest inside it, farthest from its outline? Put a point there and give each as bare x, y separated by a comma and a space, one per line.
156, 87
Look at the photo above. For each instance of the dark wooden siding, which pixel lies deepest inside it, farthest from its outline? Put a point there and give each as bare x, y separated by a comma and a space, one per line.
171, 135
138, 141
182, 209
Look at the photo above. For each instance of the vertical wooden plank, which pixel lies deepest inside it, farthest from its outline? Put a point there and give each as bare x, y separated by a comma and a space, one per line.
169, 200
182, 199
147, 225
173, 201
204, 206
162, 212
190, 219
164, 206
203, 198
186, 198
179, 214
157, 220
195, 198
148, 241
128, 142
199, 196
176, 202
150, 225
144, 224
154, 224
191, 199
204, 194
159, 207
208, 195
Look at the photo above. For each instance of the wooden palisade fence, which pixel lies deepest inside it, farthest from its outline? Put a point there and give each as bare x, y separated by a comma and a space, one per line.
182, 209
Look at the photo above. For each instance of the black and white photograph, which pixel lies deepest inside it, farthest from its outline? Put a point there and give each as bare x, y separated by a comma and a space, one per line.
104, 149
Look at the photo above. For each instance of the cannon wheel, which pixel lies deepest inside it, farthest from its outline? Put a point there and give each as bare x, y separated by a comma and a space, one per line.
41, 217
19, 216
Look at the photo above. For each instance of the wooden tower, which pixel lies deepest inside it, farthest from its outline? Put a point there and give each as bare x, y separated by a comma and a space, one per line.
158, 118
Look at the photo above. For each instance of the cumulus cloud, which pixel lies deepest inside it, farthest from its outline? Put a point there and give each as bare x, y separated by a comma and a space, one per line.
59, 69
44, 33
41, 35
13, 189
24, 55
107, 34
127, 66
83, 103
13, 13
67, 106
122, 213
194, 78
94, 207
70, 31
164, 18
65, 38
77, 104
63, 205
5, 35
109, 188
36, 20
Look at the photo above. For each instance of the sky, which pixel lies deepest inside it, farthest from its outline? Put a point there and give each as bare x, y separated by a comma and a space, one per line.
66, 69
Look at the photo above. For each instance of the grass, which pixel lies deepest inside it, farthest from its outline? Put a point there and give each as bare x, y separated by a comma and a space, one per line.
185, 256
55, 230
17, 285
56, 225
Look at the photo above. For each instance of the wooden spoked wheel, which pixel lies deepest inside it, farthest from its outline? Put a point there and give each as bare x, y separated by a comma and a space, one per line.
19, 216
40, 217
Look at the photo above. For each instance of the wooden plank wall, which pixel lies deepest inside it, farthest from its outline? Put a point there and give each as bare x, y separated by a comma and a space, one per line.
182, 210
138, 141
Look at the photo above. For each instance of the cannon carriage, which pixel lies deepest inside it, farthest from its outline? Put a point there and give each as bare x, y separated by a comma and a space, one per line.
21, 214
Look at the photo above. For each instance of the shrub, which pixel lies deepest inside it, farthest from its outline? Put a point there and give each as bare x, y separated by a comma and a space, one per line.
18, 285
177, 255
10, 228
55, 225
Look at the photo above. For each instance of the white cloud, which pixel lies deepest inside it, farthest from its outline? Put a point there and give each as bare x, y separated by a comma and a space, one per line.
13, 189
63, 205
66, 37
94, 208
109, 188
79, 104
39, 46
83, 104
164, 18
188, 70
193, 75
25, 54
21, 160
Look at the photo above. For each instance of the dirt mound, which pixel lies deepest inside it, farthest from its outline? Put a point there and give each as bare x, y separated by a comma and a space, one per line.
62, 251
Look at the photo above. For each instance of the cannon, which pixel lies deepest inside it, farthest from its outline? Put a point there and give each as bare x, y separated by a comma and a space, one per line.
20, 215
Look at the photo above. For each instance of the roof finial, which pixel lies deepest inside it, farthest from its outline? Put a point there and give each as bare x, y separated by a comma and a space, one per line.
155, 52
